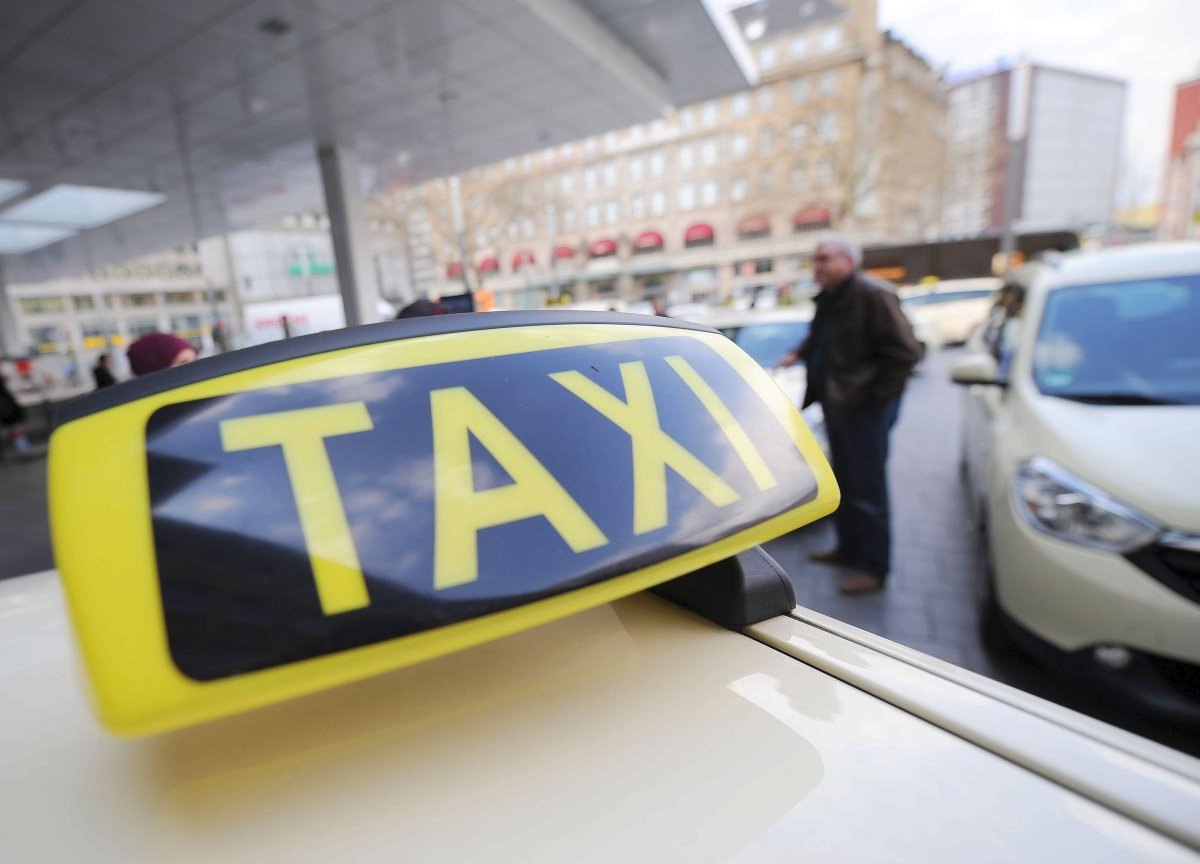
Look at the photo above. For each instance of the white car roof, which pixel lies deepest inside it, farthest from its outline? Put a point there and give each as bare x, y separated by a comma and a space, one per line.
733, 318
1123, 263
634, 731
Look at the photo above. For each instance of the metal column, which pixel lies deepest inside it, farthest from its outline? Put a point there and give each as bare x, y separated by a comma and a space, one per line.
10, 342
342, 180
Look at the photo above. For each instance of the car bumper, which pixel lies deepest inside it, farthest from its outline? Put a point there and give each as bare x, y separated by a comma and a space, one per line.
1076, 598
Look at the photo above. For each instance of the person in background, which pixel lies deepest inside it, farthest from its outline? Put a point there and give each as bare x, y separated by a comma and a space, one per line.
102, 374
860, 352
155, 351
420, 308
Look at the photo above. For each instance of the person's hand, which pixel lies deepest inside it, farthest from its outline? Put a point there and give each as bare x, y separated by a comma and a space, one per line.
786, 360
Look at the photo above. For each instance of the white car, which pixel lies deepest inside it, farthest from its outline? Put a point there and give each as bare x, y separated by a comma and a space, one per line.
948, 311
1081, 452
380, 595
766, 335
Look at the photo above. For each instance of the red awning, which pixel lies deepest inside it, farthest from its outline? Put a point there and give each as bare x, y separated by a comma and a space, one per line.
521, 259
454, 270
602, 248
701, 232
489, 265
759, 223
814, 214
648, 240
561, 252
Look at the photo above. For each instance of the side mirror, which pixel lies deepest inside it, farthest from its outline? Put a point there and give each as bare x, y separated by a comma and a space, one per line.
977, 369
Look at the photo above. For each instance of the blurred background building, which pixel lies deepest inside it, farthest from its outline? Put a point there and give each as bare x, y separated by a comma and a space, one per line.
1181, 190
718, 198
1049, 138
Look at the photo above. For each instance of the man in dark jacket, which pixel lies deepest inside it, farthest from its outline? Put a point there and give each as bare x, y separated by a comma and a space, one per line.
859, 352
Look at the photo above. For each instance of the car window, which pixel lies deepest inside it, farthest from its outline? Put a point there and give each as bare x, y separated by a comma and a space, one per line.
767, 342
1130, 342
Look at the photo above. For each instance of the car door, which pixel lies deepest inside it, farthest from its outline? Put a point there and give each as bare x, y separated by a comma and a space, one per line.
981, 406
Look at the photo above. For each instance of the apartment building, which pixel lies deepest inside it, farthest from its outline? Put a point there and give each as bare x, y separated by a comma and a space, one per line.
715, 200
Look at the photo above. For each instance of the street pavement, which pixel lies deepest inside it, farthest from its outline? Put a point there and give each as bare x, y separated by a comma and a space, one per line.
930, 602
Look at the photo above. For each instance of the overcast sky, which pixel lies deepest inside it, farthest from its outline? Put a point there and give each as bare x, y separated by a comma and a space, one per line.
1151, 44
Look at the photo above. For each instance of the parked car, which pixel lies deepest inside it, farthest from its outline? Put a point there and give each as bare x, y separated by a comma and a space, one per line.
1079, 451
380, 594
766, 335
949, 310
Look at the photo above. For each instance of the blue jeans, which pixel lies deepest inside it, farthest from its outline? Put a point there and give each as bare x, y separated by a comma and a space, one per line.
858, 445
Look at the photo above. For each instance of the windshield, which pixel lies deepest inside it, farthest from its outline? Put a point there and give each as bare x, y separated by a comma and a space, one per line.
766, 343
1122, 343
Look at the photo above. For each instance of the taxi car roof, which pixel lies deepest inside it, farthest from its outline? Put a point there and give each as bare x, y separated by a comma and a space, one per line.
632, 731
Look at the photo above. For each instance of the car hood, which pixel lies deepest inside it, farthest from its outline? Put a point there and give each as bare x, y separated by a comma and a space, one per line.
1144, 456
634, 731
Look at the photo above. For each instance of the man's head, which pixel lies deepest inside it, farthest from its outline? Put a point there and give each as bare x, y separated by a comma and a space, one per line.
835, 259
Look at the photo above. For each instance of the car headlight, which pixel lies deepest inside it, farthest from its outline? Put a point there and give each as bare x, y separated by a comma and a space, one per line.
1057, 502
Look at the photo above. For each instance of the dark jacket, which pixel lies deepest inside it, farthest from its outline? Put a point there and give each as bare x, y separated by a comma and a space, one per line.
870, 349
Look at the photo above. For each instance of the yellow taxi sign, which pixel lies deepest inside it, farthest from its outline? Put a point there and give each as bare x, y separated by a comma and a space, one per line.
282, 520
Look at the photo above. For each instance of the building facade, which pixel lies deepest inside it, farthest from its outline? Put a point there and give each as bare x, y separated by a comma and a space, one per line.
714, 200
1048, 138
1181, 188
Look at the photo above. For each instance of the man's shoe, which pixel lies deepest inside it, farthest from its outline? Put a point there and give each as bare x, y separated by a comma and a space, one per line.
860, 582
826, 556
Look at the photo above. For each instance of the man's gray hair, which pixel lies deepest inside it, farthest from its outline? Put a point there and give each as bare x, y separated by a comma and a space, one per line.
843, 245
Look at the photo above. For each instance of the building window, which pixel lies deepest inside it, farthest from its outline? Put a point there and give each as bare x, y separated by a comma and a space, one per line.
658, 202
637, 206
686, 157
710, 193
568, 219
589, 178
766, 179
592, 214
799, 91
766, 98
799, 134
710, 113
799, 175
589, 147
636, 166
637, 134
548, 156
827, 126
738, 189
565, 151
828, 82
740, 145
527, 227
658, 163
687, 119
825, 171
831, 39
612, 211
610, 173
612, 142
687, 196
658, 129
44, 305
708, 152
798, 46
178, 297
739, 105
84, 302
768, 57
132, 300
766, 140
527, 161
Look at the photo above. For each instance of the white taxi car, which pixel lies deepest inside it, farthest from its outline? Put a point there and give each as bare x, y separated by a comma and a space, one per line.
1080, 448
380, 594
949, 310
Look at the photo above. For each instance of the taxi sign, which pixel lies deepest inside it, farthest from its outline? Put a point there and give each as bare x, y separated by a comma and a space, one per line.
283, 519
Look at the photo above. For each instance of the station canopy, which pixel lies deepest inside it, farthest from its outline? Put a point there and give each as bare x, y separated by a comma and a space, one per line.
131, 126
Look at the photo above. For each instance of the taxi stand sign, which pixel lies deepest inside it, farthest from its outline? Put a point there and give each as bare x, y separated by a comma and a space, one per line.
278, 521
